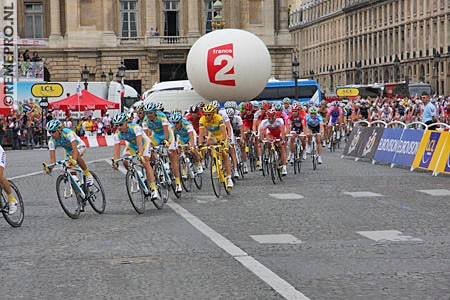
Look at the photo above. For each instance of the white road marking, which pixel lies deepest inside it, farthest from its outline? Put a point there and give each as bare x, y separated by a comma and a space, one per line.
276, 239
388, 235
273, 280
41, 173
436, 192
286, 196
362, 194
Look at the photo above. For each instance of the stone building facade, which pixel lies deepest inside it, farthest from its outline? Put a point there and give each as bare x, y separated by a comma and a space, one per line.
372, 41
151, 37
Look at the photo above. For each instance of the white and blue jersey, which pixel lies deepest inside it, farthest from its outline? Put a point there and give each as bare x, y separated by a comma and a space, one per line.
157, 128
314, 123
133, 131
182, 133
65, 141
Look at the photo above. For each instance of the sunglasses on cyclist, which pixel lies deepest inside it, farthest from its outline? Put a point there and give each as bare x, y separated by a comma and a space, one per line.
207, 114
118, 125
51, 132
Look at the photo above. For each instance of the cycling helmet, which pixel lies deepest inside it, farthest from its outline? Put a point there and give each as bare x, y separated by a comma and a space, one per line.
296, 107
313, 110
255, 103
150, 107
194, 108
341, 104
248, 106
328, 105
227, 104
271, 113
324, 102
230, 111
200, 105
336, 103
278, 106
53, 125
119, 118
176, 117
215, 104
287, 100
138, 106
209, 108
159, 106
266, 106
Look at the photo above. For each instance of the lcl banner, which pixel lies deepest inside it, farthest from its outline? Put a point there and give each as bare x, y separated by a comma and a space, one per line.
388, 145
430, 150
443, 165
407, 147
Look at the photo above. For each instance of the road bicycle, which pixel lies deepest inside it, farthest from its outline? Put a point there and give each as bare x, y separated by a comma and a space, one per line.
216, 167
314, 155
250, 148
73, 192
298, 153
15, 219
161, 164
188, 171
137, 185
240, 162
272, 159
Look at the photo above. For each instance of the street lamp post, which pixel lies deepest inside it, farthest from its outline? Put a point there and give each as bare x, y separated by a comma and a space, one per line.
85, 77
217, 21
436, 58
120, 75
331, 78
396, 68
295, 65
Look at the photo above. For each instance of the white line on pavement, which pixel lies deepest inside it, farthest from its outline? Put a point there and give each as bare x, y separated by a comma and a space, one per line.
273, 280
40, 172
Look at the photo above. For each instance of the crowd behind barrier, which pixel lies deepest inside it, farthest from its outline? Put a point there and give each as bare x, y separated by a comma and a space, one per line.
412, 145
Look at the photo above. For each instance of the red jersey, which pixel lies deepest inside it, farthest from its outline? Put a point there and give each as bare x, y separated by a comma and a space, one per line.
247, 118
194, 120
298, 121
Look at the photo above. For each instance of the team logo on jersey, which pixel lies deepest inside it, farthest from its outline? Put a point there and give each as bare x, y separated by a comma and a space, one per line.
220, 64
429, 149
355, 141
370, 143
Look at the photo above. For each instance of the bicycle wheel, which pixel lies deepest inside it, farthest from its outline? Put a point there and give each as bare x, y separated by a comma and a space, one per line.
184, 166
161, 184
69, 199
296, 155
215, 178
173, 185
134, 190
15, 219
298, 164
197, 176
314, 156
252, 158
272, 166
97, 197
278, 165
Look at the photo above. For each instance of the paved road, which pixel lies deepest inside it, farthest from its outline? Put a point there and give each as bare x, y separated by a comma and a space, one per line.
330, 244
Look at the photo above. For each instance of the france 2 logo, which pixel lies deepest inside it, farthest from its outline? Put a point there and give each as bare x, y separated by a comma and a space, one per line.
220, 64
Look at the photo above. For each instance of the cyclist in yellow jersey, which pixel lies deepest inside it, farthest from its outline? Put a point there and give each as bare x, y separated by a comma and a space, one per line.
213, 126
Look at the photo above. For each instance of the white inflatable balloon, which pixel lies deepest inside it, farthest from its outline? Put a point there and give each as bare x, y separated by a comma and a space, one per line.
228, 64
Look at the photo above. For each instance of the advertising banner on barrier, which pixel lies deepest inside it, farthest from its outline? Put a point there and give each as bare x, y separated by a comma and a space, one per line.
429, 150
369, 149
353, 141
407, 147
444, 161
388, 145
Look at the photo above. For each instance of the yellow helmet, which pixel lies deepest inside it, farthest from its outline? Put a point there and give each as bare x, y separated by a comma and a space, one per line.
209, 108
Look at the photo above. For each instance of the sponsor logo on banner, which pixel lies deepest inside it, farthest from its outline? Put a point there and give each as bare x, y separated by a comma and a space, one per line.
447, 165
407, 147
220, 64
370, 143
355, 140
429, 150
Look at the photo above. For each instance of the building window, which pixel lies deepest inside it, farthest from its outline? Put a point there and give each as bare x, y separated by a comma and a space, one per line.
208, 16
171, 17
131, 64
129, 15
34, 27
255, 11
